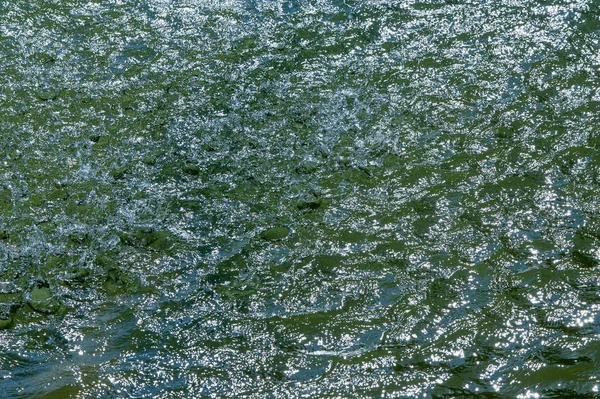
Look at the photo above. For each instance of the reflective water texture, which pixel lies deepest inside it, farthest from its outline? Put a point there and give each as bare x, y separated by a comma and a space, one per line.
305, 199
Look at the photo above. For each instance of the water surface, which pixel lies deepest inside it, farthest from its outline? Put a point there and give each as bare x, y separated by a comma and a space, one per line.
300, 199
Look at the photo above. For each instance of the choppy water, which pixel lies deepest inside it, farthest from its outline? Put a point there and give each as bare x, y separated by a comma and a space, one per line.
336, 199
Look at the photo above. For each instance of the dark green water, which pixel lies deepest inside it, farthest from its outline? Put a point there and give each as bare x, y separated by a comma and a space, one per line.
306, 199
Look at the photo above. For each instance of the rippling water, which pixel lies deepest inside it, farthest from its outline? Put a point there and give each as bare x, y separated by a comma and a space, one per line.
300, 199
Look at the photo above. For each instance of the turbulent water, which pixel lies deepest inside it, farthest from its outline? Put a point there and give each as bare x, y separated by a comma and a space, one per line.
300, 199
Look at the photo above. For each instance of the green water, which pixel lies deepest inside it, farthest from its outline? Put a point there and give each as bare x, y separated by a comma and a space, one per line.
305, 199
